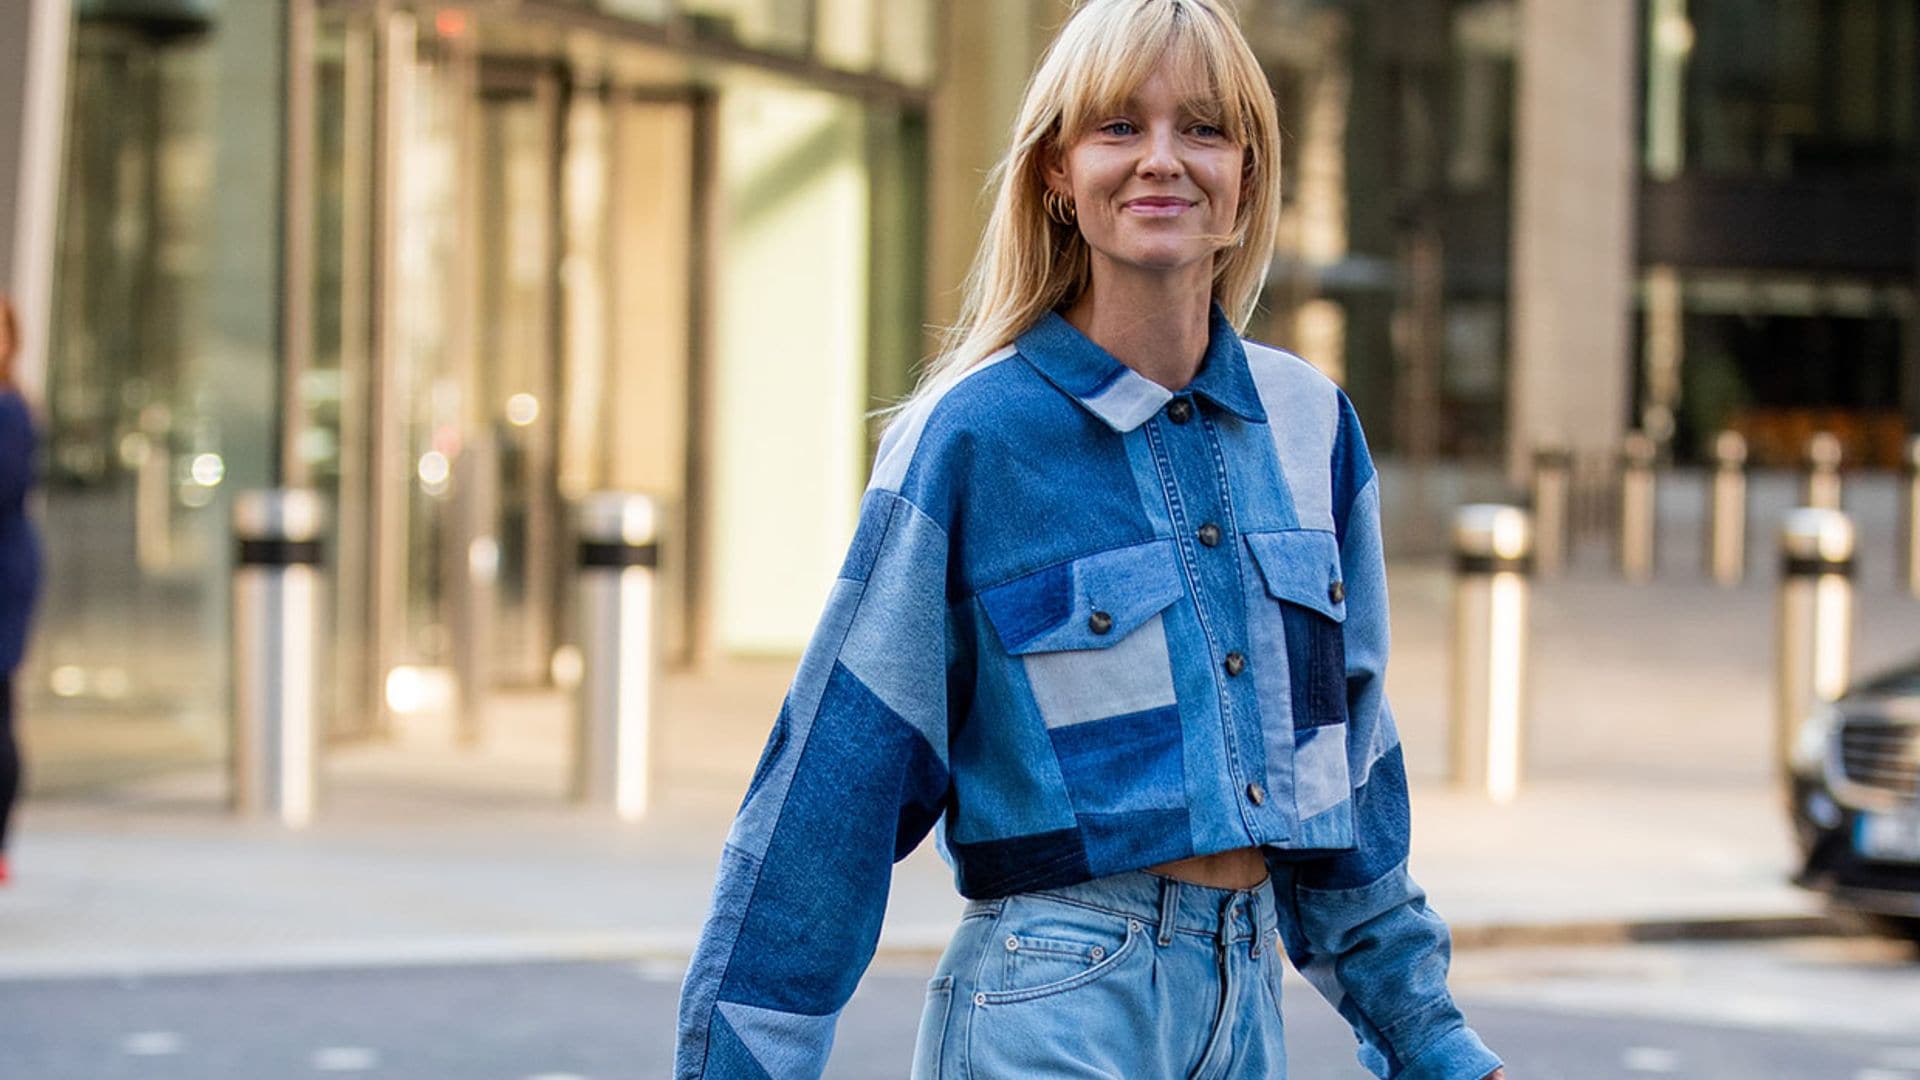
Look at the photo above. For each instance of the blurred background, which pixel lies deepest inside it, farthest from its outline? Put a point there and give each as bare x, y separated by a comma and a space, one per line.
456, 265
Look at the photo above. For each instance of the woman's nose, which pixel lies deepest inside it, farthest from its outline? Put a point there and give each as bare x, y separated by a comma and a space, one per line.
1161, 159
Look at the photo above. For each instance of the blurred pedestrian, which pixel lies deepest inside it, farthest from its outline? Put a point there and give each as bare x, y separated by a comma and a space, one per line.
1115, 611
19, 560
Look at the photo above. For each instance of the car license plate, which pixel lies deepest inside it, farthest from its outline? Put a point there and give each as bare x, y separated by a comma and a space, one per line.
1888, 837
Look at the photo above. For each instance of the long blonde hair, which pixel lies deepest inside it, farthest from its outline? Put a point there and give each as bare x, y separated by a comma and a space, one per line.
1027, 263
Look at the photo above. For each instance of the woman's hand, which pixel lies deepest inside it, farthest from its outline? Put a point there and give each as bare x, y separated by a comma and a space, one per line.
1497, 1074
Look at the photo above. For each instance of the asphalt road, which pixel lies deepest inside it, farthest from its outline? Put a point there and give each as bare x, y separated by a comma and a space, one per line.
1796, 1010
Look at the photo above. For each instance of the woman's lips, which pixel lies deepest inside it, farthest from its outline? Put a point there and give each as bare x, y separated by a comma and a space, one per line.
1157, 207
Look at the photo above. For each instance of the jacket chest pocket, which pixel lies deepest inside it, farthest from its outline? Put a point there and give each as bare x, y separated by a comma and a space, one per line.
1301, 571
1091, 640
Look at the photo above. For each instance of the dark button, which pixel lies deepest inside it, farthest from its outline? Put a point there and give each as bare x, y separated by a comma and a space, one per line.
1236, 663
1337, 592
1256, 794
1180, 410
1210, 534
1099, 622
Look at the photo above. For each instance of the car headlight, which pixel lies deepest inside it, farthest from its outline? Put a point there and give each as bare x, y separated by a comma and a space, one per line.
1811, 741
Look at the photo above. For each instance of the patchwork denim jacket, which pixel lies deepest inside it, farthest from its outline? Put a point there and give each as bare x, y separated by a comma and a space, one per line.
1089, 625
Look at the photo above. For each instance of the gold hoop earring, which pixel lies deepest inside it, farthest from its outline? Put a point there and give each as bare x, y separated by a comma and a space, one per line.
1059, 206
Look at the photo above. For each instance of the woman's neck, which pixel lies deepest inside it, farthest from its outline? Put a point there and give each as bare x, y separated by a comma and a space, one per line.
1157, 327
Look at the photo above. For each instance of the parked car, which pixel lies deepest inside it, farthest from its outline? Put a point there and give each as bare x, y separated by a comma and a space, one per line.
1856, 800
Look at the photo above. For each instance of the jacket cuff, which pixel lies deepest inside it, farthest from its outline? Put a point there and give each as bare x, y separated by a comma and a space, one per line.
1457, 1055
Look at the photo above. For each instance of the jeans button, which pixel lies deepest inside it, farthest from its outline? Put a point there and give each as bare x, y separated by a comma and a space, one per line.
1099, 622
1180, 410
1210, 534
1013, 943
1256, 794
1235, 663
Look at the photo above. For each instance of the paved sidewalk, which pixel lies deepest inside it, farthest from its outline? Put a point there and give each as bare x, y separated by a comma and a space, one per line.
1649, 808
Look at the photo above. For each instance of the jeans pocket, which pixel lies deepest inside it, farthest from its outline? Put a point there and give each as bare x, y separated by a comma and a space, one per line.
931, 1043
1050, 949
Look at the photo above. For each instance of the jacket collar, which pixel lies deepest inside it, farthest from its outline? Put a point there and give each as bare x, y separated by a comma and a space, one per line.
1123, 397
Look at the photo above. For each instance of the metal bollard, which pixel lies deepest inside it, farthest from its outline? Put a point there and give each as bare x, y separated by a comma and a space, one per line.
1815, 644
1823, 471
1552, 485
1493, 556
1910, 520
1637, 508
619, 549
276, 655
1727, 518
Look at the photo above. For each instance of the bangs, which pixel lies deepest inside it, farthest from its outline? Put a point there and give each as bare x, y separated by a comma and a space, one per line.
1105, 71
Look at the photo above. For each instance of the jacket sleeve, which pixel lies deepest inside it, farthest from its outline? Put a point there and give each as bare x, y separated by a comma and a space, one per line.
1355, 923
16, 449
852, 778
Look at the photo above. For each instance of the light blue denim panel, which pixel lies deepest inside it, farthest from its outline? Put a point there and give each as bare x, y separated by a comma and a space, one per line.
896, 645
1320, 770
1291, 388
785, 1044
1126, 402
1300, 566
1075, 686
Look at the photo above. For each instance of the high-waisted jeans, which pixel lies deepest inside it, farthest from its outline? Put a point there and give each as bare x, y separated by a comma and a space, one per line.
1131, 977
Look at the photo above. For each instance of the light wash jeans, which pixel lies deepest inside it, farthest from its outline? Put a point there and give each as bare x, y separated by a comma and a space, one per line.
1136, 976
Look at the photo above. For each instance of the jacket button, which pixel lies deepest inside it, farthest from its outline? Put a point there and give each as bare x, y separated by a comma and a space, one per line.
1256, 794
1337, 592
1099, 622
1180, 410
1235, 663
1210, 534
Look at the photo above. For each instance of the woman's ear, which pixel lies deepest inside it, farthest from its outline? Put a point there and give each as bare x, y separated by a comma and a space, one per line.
1054, 168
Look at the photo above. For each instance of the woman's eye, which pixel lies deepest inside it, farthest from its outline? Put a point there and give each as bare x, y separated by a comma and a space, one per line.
1208, 131
1117, 127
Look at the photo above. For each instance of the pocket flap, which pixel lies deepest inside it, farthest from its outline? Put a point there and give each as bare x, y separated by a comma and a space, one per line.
1086, 603
1302, 566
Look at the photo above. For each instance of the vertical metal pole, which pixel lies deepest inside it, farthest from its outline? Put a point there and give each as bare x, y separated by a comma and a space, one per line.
1638, 495
619, 549
1727, 520
1815, 632
1552, 471
1910, 519
274, 756
1493, 556
1823, 471
299, 142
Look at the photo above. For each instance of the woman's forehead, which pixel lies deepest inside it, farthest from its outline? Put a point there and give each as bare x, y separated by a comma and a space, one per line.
1178, 74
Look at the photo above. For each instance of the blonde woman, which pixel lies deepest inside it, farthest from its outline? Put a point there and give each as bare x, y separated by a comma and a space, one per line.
1114, 618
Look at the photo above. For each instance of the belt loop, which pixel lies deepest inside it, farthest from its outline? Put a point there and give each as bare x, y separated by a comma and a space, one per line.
1169, 904
1253, 922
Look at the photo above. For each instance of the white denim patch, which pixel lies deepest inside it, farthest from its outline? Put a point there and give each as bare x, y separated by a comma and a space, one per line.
1134, 674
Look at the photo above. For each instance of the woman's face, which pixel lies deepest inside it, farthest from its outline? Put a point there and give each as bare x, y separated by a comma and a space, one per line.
1155, 186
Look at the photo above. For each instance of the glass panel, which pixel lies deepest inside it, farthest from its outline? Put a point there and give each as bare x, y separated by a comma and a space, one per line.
779, 25
844, 36
161, 391
907, 40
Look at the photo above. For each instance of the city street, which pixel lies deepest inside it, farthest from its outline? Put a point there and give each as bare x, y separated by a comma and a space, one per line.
1805, 1009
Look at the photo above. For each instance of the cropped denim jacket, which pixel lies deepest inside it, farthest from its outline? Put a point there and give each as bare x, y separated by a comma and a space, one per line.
1088, 625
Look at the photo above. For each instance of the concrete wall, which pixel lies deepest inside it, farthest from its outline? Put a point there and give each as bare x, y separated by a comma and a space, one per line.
1575, 174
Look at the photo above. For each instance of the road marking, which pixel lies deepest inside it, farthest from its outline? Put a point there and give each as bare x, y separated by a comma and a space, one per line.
1650, 1059
152, 1044
345, 1059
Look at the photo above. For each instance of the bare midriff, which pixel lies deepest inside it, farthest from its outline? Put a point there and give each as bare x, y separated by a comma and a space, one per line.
1241, 868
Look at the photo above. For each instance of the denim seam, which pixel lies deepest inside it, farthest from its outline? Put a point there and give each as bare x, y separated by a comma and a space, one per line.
1176, 513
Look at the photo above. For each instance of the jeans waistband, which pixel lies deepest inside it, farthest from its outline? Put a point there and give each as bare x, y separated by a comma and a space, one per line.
1170, 905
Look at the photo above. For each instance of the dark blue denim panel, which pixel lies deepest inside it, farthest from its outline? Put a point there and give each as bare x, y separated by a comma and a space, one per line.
1029, 606
867, 788
876, 510
1352, 465
1123, 763
1026, 476
1120, 842
1380, 813
727, 1057
991, 869
1317, 667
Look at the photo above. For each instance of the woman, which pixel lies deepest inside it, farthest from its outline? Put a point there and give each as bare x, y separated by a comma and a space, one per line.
1115, 610
19, 559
